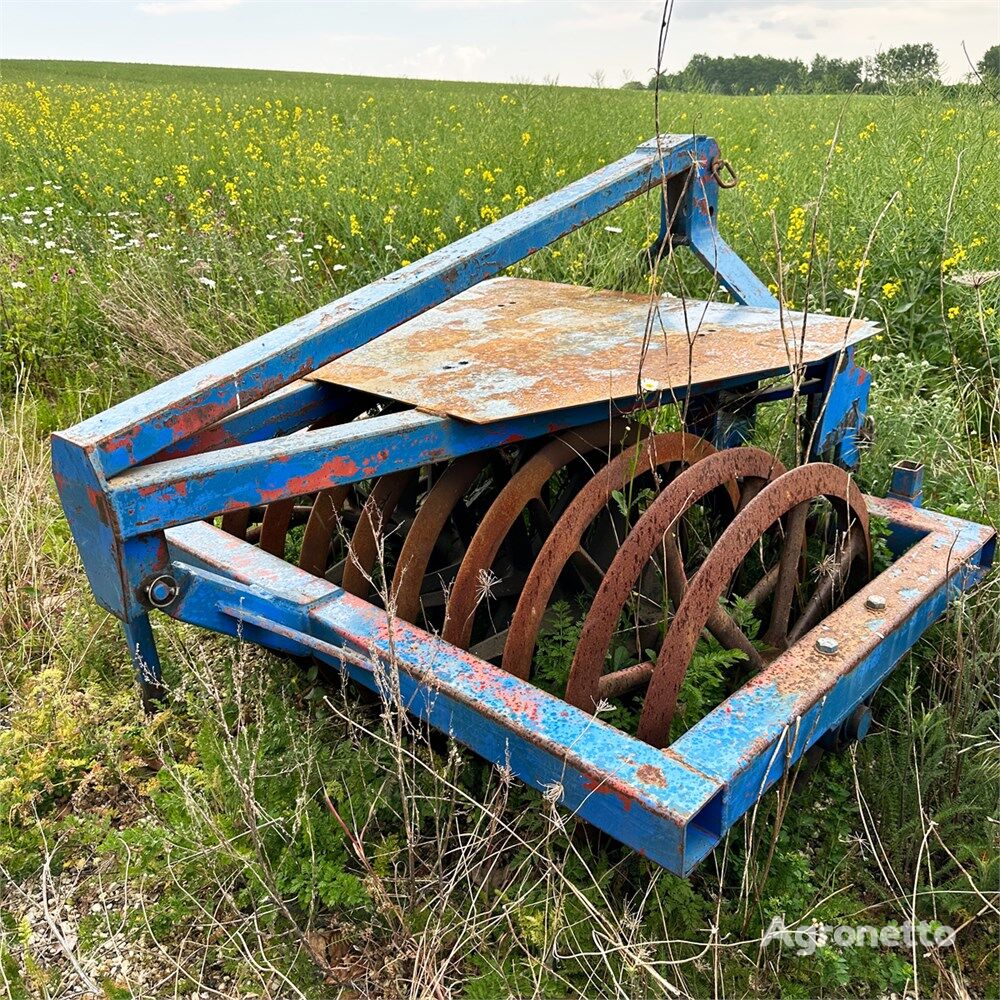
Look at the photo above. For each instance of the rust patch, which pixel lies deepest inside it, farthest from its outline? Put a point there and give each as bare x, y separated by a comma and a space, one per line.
785, 493
326, 475
650, 775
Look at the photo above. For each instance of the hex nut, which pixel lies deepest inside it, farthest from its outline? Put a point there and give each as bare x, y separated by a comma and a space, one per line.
875, 602
827, 645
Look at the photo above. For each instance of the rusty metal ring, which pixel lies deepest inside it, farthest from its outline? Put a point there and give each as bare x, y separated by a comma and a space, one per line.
364, 548
778, 498
277, 516
650, 531
437, 507
649, 454
324, 520
719, 165
274, 529
236, 522
525, 485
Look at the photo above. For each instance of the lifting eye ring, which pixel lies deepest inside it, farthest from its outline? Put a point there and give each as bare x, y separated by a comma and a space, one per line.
719, 169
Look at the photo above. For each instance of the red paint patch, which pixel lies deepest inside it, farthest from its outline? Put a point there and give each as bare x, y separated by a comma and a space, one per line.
99, 502
337, 468
210, 439
603, 788
342, 466
180, 488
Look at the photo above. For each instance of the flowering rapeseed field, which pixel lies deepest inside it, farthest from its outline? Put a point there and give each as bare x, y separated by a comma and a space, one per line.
255, 196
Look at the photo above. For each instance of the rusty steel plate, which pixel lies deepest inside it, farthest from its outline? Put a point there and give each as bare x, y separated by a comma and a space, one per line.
511, 347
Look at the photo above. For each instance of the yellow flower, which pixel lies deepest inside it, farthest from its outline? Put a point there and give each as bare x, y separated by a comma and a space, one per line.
956, 258
525, 138
796, 224
954, 311
891, 289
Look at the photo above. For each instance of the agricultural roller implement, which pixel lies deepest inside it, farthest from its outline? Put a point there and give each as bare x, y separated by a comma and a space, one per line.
414, 482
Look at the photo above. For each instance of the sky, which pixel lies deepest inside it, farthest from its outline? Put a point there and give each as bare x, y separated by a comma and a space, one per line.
496, 40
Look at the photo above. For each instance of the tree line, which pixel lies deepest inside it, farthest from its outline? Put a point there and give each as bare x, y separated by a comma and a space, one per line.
913, 65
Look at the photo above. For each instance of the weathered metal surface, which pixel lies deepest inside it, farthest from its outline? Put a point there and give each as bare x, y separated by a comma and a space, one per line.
838, 414
793, 535
749, 740
619, 682
197, 406
140, 428
232, 438
297, 405
834, 578
710, 473
323, 523
274, 528
907, 482
648, 455
511, 347
366, 542
778, 498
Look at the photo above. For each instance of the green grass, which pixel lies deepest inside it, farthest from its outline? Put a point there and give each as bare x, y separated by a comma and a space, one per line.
273, 833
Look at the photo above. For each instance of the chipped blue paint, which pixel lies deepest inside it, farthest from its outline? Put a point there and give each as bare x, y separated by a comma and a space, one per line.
289, 409
674, 805
157, 495
142, 649
137, 429
842, 410
907, 483
214, 404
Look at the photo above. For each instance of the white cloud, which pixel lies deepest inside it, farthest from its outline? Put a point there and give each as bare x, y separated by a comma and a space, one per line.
446, 61
159, 8
466, 4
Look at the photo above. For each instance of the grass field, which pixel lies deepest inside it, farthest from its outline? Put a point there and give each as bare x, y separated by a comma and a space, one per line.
152, 216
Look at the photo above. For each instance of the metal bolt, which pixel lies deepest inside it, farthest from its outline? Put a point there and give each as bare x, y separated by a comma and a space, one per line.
827, 645
875, 602
162, 591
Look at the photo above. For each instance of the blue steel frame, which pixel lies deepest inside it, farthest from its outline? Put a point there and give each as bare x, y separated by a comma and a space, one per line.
673, 805
138, 480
